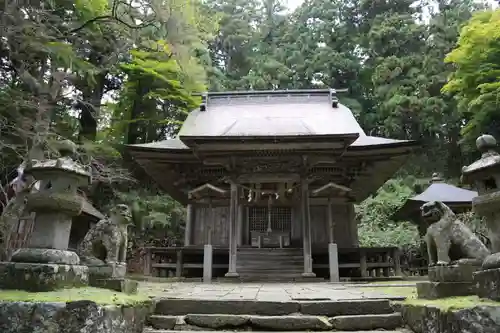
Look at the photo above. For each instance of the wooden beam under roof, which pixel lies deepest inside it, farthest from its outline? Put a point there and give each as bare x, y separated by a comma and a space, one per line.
268, 177
316, 201
330, 188
207, 191
323, 158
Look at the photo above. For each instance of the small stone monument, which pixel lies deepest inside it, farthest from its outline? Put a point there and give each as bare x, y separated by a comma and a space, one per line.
46, 264
455, 253
104, 251
484, 174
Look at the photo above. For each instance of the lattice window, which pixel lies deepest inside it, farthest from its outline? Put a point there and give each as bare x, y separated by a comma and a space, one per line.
281, 218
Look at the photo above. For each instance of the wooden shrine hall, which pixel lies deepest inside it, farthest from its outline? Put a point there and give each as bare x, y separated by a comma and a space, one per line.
270, 179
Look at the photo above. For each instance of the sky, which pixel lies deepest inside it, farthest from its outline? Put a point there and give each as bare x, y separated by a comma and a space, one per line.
292, 4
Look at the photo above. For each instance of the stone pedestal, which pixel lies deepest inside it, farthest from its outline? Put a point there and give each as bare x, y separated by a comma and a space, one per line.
449, 280
207, 263
435, 290
487, 283
460, 272
121, 285
47, 264
111, 276
333, 261
51, 231
43, 270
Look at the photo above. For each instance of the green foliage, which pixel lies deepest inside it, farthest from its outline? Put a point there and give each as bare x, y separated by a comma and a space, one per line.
475, 83
374, 216
158, 219
106, 74
155, 94
474, 222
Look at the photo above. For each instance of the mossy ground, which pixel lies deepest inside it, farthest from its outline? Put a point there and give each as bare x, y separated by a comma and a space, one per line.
449, 303
100, 296
452, 303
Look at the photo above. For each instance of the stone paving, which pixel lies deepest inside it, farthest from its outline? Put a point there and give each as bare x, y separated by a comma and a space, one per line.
267, 291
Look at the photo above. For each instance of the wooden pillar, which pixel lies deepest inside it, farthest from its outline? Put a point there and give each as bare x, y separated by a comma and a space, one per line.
179, 264
333, 256
233, 231
306, 228
211, 223
397, 262
240, 229
189, 225
362, 263
331, 223
353, 225
147, 262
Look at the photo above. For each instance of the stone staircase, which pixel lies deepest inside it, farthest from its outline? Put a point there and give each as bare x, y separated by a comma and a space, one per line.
362, 316
270, 264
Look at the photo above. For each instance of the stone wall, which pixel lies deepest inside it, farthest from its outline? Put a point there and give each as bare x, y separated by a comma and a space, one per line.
73, 317
429, 319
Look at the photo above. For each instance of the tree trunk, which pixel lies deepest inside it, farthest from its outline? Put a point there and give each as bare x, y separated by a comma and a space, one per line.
90, 109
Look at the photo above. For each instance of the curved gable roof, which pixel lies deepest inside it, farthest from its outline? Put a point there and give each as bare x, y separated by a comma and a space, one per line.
270, 115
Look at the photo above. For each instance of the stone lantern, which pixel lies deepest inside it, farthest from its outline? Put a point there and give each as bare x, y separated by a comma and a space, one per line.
46, 264
484, 174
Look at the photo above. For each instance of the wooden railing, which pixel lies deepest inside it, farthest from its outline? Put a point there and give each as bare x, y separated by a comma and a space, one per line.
164, 261
362, 262
353, 262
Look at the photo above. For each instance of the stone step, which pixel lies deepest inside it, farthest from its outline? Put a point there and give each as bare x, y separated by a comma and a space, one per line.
388, 321
296, 278
270, 249
269, 270
271, 254
276, 323
298, 261
266, 266
269, 257
296, 322
152, 330
224, 321
274, 308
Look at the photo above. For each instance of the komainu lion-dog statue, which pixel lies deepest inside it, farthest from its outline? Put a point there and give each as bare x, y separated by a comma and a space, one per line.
107, 240
446, 234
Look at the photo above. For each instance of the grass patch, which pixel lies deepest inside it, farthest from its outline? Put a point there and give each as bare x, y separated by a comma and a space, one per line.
393, 291
398, 281
452, 303
97, 295
143, 278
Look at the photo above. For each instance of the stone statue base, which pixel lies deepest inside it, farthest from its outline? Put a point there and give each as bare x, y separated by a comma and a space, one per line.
488, 283
111, 276
38, 277
107, 271
121, 285
33, 269
435, 290
460, 271
450, 280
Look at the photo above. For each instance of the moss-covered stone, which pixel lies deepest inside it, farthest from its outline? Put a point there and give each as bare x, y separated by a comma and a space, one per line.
45, 256
488, 283
97, 295
73, 317
428, 318
41, 277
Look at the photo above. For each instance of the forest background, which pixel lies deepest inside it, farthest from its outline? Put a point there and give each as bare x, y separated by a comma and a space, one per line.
108, 73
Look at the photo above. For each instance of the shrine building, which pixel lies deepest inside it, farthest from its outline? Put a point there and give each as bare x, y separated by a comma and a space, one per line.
270, 179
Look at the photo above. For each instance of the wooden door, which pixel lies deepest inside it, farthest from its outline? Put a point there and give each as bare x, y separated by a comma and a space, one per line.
281, 224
